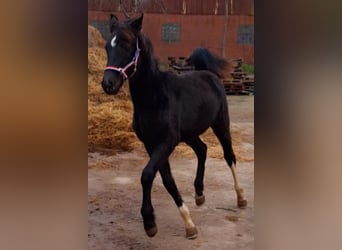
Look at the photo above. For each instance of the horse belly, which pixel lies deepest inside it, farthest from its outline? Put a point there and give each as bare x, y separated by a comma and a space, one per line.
149, 130
195, 123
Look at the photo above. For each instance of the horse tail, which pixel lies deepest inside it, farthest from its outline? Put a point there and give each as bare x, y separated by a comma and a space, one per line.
203, 59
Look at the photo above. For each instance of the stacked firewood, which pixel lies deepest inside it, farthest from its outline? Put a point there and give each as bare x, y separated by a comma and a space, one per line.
238, 82
179, 65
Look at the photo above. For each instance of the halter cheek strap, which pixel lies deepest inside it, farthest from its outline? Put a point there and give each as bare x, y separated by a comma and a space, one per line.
123, 70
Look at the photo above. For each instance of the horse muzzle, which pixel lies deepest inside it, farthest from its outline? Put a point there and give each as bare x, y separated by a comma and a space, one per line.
112, 85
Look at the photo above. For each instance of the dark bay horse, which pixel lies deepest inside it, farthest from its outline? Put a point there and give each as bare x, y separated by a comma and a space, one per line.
168, 109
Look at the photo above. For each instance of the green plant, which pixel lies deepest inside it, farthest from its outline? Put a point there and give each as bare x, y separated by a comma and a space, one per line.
248, 68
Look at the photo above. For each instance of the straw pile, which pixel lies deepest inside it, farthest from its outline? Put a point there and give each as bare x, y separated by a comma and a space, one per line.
110, 117
95, 38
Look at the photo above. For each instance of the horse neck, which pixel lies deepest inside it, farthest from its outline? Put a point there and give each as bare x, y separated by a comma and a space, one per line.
144, 84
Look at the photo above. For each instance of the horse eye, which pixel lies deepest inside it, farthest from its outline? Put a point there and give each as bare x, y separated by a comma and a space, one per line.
107, 47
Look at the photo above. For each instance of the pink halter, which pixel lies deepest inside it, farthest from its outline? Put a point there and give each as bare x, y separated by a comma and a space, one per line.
134, 62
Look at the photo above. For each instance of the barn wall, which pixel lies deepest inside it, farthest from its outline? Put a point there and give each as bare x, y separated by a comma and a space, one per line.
195, 31
189, 7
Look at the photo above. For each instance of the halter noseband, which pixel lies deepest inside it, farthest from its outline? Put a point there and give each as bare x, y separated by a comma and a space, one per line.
134, 62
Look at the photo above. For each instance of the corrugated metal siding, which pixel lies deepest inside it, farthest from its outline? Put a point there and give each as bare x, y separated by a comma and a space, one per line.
169, 7
213, 7
188, 7
104, 5
240, 7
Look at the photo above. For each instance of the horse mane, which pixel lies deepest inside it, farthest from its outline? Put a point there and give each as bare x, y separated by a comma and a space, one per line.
203, 59
147, 52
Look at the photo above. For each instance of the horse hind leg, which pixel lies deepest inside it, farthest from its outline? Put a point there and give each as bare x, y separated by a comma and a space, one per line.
170, 185
200, 149
221, 130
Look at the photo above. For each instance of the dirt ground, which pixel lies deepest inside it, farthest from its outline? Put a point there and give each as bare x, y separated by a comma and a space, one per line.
114, 198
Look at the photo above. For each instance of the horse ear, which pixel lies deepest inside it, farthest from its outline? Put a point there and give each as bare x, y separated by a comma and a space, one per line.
136, 24
113, 21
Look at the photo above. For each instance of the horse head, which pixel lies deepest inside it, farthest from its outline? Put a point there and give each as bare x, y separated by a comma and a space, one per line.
122, 52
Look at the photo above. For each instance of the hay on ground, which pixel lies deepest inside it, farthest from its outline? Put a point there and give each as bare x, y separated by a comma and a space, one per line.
109, 117
242, 153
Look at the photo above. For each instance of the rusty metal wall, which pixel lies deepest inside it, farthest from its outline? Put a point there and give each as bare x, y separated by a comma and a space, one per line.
188, 7
195, 31
160, 6
241, 7
213, 7
103, 5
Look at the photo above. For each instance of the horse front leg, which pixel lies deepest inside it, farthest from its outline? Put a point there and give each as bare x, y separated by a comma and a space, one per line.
147, 211
158, 156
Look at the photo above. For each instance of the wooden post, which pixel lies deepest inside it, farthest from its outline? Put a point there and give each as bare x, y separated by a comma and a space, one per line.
224, 34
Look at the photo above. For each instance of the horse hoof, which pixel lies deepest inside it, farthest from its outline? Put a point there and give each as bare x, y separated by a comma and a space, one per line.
200, 199
191, 233
242, 203
152, 231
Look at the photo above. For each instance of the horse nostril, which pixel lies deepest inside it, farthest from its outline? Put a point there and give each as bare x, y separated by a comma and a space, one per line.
107, 84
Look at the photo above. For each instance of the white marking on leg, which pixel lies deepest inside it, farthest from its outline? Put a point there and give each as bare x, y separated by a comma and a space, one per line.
113, 42
239, 191
185, 213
